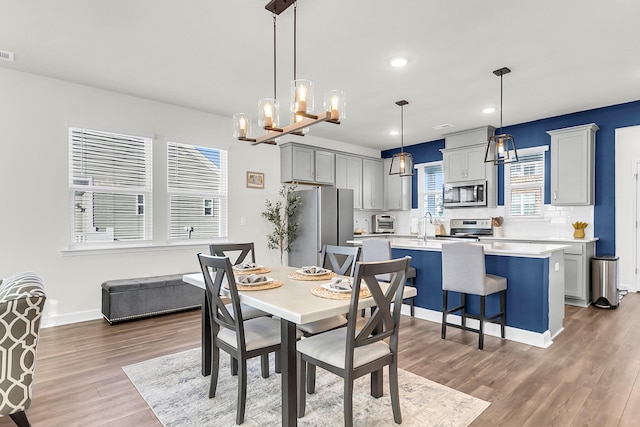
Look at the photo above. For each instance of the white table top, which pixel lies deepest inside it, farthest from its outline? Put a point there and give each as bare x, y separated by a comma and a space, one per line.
293, 300
529, 250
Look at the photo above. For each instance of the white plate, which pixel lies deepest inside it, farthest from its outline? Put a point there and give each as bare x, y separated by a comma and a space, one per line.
238, 268
269, 279
326, 271
328, 287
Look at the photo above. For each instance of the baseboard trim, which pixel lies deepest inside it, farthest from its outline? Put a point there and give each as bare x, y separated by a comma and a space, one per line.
66, 319
536, 339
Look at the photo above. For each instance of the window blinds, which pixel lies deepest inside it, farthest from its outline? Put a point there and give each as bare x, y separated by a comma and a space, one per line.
433, 183
197, 187
111, 183
526, 186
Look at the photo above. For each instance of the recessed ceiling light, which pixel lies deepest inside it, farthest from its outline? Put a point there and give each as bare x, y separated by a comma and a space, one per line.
398, 62
394, 133
443, 126
489, 110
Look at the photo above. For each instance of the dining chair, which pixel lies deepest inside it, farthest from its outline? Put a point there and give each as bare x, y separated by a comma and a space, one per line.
351, 353
380, 250
463, 271
241, 339
239, 251
341, 260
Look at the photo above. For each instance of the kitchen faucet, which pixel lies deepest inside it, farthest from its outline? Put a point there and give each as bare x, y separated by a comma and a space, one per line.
424, 237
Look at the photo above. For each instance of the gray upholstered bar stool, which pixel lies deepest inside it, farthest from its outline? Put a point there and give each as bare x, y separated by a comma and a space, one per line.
463, 271
373, 250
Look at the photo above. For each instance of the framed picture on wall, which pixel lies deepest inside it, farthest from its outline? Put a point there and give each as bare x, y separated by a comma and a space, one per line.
255, 179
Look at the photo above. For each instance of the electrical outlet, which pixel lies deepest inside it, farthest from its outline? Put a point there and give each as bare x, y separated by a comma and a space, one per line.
243, 220
557, 266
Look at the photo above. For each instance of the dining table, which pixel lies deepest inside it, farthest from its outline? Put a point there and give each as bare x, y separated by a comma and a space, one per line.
294, 303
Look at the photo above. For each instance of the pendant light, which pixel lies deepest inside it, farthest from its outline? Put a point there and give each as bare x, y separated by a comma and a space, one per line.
501, 148
401, 163
301, 103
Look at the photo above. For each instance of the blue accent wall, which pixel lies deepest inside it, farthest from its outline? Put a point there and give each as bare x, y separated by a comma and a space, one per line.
533, 134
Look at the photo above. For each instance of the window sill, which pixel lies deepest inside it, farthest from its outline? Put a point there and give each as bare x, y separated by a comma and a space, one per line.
137, 247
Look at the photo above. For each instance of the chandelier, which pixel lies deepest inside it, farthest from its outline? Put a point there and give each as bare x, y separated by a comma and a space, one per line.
501, 148
301, 103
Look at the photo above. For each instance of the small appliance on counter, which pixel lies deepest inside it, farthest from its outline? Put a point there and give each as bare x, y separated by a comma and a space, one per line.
468, 229
384, 223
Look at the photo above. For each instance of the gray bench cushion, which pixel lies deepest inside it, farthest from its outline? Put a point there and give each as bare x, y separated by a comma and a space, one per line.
127, 299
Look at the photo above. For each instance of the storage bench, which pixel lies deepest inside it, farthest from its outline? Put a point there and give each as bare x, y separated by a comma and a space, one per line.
128, 299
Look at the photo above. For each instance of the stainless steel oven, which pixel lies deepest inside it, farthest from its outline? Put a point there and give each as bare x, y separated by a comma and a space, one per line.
464, 194
468, 229
384, 223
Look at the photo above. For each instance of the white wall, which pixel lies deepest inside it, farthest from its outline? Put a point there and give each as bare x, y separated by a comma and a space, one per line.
627, 155
34, 176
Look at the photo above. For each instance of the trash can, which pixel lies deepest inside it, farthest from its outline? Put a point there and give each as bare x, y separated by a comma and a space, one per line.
604, 281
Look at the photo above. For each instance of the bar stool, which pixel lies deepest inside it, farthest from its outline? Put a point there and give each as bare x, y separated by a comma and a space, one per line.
380, 250
463, 271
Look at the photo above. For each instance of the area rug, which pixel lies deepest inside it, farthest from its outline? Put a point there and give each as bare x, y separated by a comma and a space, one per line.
178, 394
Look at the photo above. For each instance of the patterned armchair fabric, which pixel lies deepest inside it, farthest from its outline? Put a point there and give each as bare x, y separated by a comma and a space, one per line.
22, 300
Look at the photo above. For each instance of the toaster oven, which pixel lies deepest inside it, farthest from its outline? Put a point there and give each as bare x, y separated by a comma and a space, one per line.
384, 223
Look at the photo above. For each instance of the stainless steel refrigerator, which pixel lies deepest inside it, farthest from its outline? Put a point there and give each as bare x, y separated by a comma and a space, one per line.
326, 218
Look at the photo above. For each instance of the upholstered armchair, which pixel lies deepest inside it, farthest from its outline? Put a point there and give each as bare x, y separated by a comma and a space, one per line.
21, 303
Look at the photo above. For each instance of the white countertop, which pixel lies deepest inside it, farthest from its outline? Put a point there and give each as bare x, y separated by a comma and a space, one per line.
567, 240
529, 250
385, 235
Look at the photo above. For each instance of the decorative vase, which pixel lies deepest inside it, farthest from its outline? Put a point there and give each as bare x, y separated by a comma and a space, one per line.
497, 232
578, 233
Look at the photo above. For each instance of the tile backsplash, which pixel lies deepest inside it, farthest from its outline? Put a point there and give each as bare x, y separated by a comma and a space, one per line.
555, 224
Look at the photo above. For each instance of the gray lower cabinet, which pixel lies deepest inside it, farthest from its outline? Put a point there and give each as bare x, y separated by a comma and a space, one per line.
349, 175
577, 268
372, 184
302, 163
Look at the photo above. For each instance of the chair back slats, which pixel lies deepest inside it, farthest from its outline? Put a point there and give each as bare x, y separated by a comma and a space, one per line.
383, 323
228, 249
215, 270
340, 259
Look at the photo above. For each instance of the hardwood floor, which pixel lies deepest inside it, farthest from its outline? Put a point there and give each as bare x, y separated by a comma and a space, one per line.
588, 377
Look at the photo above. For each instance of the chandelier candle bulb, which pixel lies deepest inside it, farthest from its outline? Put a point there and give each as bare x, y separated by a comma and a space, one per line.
241, 125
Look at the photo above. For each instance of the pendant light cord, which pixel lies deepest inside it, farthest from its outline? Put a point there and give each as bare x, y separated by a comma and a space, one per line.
274, 57
402, 128
295, 24
501, 103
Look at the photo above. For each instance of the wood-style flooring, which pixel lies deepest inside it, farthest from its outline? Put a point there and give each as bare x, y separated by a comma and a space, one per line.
588, 377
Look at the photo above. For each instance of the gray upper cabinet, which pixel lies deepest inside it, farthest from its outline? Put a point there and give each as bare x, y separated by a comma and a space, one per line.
397, 190
349, 175
372, 184
302, 163
464, 164
573, 165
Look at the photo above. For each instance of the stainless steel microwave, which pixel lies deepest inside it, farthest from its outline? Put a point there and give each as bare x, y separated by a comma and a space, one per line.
464, 194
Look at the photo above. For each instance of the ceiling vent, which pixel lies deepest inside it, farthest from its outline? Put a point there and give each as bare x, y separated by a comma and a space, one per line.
6, 56
443, 126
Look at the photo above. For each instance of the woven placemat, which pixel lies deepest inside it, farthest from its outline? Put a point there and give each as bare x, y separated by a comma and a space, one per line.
269, 285
297, 276
319, 291
260, 270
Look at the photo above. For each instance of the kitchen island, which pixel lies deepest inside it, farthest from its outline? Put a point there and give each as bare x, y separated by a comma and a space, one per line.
535, 286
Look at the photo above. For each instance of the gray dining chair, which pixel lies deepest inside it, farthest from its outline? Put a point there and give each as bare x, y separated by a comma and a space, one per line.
351, 353
239, 251
241, 339
463, 271
380, 250
341, 260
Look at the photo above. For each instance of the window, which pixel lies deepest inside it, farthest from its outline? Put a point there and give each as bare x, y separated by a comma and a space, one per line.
524, 184
430, 183
197, 187
110, 186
